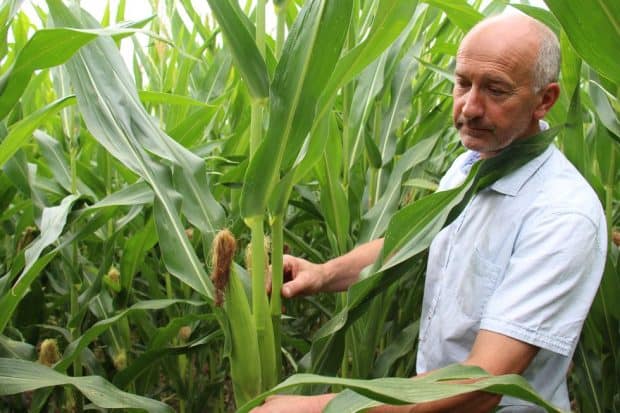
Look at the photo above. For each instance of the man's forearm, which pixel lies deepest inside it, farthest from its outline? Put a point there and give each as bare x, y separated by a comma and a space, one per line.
343, 271
475, 402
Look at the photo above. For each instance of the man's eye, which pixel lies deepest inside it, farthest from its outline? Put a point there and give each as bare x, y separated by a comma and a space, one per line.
496, 91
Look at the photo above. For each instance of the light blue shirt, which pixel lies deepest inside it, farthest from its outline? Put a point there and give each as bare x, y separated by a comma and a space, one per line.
524, 259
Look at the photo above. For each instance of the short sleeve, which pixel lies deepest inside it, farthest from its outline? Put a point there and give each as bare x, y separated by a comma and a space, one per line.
550, 282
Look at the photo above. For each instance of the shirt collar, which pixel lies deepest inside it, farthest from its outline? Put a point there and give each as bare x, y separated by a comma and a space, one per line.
512, 183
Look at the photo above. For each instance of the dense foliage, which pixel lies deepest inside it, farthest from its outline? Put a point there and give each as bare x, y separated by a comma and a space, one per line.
116, 180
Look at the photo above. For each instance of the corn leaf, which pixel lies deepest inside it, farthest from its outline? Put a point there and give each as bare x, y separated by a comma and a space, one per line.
75, 347
158, 346
135, 194
593, 29
461, 13
310, 53
434, 386
333, 201
399, 347
112, 111
17, 349
8, 10
543, 15
18, 376
247, 57
46, 48
391, 18
21, 131
376, 220
34, 263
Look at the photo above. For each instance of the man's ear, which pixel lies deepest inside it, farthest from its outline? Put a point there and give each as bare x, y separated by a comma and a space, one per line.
549, 95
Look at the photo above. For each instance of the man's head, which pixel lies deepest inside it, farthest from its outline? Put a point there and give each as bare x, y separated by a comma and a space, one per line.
506, 81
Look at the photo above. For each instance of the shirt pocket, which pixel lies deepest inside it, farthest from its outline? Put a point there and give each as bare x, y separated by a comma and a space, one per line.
476, 285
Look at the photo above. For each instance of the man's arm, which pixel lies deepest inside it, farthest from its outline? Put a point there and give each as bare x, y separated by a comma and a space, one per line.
497, 354
332, 276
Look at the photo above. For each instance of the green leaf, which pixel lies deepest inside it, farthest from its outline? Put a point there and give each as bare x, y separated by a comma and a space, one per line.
158, 346
310, 53
46, 48
368, 88
161, 98
53, 221
111, 109
20, 132
376, 220
399, 347
52, 151
434, 386
19, 376
8, 10
135, 194
593, 29
16, 349
391, 18
247, 57
74, 348
461, 13
604, 109
540, 14
333, 201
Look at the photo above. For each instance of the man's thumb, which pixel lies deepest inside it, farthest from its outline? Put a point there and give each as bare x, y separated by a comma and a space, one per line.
291, 288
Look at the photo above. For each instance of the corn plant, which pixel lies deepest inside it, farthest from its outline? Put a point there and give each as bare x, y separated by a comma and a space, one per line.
327, 134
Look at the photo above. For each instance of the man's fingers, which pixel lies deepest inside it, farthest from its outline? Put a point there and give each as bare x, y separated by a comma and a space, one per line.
291, 288
298, 286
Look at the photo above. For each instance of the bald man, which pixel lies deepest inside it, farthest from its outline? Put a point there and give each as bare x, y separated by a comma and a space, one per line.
510, 281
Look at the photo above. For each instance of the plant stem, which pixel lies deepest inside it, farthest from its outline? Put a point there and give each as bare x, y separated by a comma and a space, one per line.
256, 126
260, 305
280, 28
347, 97
277, 250
259, 308
73, 277
260, 26
374, 180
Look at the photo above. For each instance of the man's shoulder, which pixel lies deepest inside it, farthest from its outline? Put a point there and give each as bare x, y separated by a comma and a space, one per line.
560, 186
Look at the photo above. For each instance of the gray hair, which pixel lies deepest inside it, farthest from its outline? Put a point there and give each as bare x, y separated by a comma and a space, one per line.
547, 65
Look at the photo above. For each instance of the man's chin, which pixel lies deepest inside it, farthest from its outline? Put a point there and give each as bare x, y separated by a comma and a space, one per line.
473, 143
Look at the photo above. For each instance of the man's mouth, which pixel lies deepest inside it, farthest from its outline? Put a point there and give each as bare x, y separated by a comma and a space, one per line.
474, 127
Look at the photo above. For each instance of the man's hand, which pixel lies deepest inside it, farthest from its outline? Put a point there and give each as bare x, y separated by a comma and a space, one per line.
294, 404
302, 277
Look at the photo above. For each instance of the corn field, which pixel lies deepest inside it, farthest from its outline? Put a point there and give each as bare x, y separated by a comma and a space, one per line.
145, 203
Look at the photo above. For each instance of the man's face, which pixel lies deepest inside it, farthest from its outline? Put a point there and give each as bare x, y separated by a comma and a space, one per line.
494, 99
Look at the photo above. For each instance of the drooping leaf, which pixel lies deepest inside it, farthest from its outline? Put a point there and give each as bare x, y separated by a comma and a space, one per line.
434, 386
46, 48
18, 376
111, 108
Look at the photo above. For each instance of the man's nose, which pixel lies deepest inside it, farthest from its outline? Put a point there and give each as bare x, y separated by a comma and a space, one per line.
474, 104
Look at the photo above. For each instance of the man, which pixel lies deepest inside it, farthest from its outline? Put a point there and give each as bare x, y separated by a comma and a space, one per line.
510, 281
